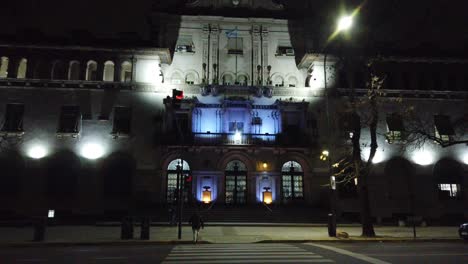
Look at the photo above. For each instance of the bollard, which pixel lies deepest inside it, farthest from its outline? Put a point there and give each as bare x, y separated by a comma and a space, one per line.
145, 228
331, 226
126, 228
39, 229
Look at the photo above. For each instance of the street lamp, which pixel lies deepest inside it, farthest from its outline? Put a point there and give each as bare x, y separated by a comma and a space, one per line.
344, 23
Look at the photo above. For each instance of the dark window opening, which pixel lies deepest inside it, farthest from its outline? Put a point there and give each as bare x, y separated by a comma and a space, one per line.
395, 128
122, 120
13, 118
70, 119
236, 126
443, 127
256, 120
285, 50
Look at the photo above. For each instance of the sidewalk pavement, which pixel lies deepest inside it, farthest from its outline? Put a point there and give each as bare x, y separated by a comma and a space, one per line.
76, 235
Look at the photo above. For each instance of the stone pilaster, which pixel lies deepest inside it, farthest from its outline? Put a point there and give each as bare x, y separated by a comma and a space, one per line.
205, 54
266, 72
214, 64
117, 70
134, 63
256, 57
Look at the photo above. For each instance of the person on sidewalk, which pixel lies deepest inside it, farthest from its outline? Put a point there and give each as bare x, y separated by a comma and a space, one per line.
197, 223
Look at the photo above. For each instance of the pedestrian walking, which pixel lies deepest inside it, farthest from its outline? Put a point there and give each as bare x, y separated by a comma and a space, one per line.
197, 223
172, 215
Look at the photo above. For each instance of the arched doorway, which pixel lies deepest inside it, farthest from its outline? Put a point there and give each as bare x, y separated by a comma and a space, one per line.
236, 183
292, 182
173, 183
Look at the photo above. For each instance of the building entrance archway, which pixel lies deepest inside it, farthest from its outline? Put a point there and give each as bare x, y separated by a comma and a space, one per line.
236, 183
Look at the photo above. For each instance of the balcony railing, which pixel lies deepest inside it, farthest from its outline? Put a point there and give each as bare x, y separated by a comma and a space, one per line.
232, 139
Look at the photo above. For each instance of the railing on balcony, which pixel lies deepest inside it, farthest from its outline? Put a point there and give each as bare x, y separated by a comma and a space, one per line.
233, 139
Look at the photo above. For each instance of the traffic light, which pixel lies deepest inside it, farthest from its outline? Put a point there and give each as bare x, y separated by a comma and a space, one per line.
177, 96
188, 182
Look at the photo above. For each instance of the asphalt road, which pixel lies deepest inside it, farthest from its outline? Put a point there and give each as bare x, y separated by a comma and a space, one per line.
357, 252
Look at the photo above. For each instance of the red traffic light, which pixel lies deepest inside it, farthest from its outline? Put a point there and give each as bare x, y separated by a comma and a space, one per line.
188, 178
177, 94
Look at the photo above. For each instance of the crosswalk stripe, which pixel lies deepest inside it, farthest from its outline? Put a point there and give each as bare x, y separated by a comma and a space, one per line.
242, 253
246, 253
250, 261
236, 257
238, 250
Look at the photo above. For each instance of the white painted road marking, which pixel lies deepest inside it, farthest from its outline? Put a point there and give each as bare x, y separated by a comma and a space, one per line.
242, 253
351, 254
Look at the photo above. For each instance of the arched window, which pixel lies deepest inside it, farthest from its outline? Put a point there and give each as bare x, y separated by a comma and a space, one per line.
242, 80
292, 81
176, 78
228, 79
126, 72
172, 172
4, 67
91, 71
190, 78
278, 81
108, 71
236, 182
292, 181
22, 67
59, 71
74, 70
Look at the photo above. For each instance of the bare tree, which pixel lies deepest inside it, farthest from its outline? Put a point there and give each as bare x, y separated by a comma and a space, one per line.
363, 114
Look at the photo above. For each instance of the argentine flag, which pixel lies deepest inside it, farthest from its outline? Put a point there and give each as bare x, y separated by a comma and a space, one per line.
232, 33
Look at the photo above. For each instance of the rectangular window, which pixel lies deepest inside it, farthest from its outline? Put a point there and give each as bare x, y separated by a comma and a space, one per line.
122, 120
256, 120
347, 122
185, 44
236, 126
395, 128
449, 190
235, 46
13, 118
285, 51
443, 127
70, 119
181, 122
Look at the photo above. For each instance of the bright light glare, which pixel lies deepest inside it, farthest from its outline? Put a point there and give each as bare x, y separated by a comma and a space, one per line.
92, 151
378, 157
423, 157
345, 23
465, 158
237, 136
37, 152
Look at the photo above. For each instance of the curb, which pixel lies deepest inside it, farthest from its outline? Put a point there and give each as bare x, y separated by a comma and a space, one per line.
176, 242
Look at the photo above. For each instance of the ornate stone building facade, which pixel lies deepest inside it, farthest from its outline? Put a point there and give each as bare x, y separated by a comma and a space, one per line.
88, 130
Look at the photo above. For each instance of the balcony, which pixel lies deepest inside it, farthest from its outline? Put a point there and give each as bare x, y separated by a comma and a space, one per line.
300, 140
213, 139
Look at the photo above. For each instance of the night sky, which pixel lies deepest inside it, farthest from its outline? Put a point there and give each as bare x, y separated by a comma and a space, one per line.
437, 27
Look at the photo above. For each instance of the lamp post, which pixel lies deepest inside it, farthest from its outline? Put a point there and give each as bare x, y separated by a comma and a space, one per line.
344, 23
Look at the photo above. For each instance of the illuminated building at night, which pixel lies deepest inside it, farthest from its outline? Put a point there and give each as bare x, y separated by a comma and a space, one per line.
89, 129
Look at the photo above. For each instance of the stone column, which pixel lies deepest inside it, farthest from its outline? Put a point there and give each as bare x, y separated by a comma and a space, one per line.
206, 54
256, 58
214, 64
265, 43
83, 69
134, 63
100, 70
13, 63
117, 69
